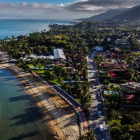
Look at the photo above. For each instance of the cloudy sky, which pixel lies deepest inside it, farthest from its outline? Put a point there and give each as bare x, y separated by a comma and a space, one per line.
59, 9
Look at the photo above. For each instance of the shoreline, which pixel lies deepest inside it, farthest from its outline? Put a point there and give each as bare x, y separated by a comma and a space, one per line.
54, 135
57, 129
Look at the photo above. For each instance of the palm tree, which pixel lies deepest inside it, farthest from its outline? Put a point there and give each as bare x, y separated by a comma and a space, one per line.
83, 137
91, 135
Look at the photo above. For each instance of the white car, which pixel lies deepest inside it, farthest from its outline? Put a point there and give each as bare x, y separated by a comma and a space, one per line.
99, 114
101, 127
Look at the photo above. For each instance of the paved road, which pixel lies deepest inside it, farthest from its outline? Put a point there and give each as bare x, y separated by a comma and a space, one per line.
97, 102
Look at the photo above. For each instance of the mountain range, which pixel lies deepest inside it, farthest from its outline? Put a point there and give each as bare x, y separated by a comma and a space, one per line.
132, 14
104, 16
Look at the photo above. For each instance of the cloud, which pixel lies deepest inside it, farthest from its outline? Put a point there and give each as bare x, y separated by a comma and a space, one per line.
77, 9
93, 5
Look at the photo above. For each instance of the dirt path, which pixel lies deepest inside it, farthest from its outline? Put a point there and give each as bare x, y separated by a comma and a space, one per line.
58, 114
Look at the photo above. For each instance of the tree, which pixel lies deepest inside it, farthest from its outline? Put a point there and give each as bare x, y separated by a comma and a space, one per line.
86, 101
91, 135
77, 78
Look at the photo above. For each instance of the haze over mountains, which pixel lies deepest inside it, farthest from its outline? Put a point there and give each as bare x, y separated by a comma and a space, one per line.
121, 15
104, 16
132, 14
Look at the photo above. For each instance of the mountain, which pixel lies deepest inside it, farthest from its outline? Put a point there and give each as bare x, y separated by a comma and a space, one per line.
132, 14
104, 16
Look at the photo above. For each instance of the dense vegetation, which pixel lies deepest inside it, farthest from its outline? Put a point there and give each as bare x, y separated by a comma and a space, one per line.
78, 41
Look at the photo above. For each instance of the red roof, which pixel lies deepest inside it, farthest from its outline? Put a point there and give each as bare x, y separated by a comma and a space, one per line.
130, 97
112, 74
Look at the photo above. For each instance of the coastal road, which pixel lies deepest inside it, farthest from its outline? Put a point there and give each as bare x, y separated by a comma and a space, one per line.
97, 102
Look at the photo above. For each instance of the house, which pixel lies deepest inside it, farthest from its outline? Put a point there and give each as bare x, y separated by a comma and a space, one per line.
113, 64
118, 71
59, 54
112, 55
131, 98
131, 87
40, 57
50, 57
123, 41
30, 56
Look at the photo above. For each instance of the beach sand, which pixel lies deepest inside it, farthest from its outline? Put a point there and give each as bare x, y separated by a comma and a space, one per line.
58, 115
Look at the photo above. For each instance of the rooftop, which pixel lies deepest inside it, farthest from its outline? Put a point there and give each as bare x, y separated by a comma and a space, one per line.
58, 53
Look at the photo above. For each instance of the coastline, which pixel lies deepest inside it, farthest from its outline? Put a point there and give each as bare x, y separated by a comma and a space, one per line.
55, 125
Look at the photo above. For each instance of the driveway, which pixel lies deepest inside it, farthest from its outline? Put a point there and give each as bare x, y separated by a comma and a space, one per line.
97, 102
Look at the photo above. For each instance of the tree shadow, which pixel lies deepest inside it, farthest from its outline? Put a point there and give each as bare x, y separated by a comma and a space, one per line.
31, 115
21, 97
23, 136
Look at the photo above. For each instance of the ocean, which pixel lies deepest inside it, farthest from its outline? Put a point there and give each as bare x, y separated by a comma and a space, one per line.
9, 27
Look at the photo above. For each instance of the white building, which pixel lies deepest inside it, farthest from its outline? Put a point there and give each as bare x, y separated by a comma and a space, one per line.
50, 57
30, 56
41, 57
59, 54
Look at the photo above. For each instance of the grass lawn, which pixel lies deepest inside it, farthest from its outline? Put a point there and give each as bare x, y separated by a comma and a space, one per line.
111, 122
29, 65
41, 72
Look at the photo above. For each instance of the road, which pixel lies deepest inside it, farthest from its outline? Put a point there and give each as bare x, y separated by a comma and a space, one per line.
97, 102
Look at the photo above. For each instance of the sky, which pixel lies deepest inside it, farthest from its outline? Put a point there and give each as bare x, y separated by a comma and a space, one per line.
59, 9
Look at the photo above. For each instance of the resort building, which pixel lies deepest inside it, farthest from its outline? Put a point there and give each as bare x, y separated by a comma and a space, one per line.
59, 54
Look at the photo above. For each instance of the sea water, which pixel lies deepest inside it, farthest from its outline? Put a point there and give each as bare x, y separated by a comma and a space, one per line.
20, 119
16, 27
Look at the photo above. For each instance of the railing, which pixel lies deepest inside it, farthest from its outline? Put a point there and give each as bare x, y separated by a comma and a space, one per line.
70, 99
68, 95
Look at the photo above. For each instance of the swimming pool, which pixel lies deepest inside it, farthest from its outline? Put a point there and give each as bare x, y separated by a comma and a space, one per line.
110, 92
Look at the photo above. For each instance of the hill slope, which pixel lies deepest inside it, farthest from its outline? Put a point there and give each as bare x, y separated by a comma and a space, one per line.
131, 14
104, 16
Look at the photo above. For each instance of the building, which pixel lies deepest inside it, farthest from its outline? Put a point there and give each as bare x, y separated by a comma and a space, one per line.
130, 87
41, 57
131, 98
50, 57
113, 65
29, 56
123, 41
59, 54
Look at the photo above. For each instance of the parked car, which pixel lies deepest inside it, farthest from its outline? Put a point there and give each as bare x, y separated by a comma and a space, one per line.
101, 127
12, 60
99, 114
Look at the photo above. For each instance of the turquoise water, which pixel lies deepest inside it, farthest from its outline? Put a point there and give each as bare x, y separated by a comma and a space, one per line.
9, 27
20, 119
110, 92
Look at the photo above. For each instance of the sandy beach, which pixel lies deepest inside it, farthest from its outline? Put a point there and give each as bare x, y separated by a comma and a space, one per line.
58, 115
